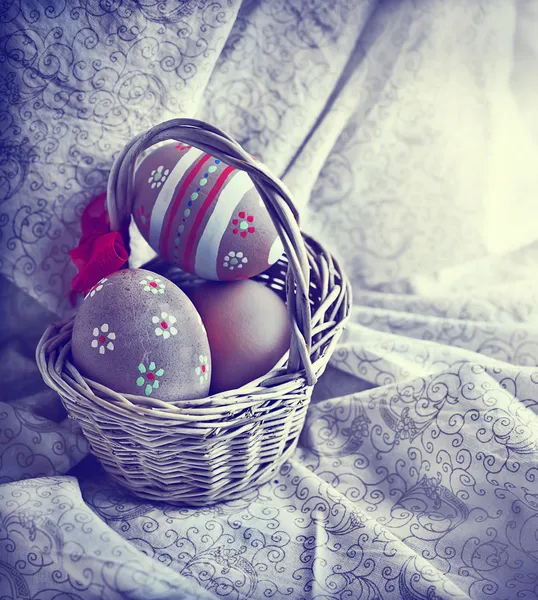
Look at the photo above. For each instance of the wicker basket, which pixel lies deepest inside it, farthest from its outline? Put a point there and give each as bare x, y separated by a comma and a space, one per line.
198, 452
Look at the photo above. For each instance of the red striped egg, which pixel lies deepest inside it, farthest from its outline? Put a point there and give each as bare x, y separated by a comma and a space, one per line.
203, 215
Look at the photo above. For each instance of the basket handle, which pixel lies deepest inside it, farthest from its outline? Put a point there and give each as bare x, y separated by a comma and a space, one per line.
274, 193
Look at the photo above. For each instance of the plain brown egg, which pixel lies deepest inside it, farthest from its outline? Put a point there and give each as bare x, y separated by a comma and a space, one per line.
247, 328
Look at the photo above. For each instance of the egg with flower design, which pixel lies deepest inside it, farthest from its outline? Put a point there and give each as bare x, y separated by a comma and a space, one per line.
138, 333
203, 215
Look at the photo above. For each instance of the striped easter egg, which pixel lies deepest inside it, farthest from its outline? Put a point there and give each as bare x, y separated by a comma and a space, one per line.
203, 215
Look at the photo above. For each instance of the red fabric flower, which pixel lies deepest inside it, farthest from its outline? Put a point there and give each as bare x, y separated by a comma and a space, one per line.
100, 251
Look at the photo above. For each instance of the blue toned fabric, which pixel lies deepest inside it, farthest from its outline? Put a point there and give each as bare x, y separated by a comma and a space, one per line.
408, 133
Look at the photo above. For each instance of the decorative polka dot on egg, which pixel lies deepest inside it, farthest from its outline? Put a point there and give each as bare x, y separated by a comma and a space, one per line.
203, 215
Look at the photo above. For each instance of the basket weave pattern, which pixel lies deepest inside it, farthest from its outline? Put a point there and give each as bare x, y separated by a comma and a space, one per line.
201, 451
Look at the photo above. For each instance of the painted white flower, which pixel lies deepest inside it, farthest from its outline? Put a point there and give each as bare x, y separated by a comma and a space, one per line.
153, 284
234, 260
203, 370
165, 325
102, 338
158, 176
96, 288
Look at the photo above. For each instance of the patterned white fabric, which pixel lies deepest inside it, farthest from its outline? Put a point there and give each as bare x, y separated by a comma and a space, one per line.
406, 130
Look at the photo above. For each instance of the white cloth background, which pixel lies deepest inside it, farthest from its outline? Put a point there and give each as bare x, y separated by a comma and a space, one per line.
407, 131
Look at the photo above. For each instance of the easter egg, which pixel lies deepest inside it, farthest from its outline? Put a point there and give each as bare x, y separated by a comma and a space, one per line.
138, 333
203, 215
248, 330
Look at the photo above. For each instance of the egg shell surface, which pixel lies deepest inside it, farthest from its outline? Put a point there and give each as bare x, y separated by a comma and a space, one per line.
203, 215
138, 333
248, 329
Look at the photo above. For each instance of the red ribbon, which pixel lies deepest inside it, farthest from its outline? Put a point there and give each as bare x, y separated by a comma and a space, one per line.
100, 251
